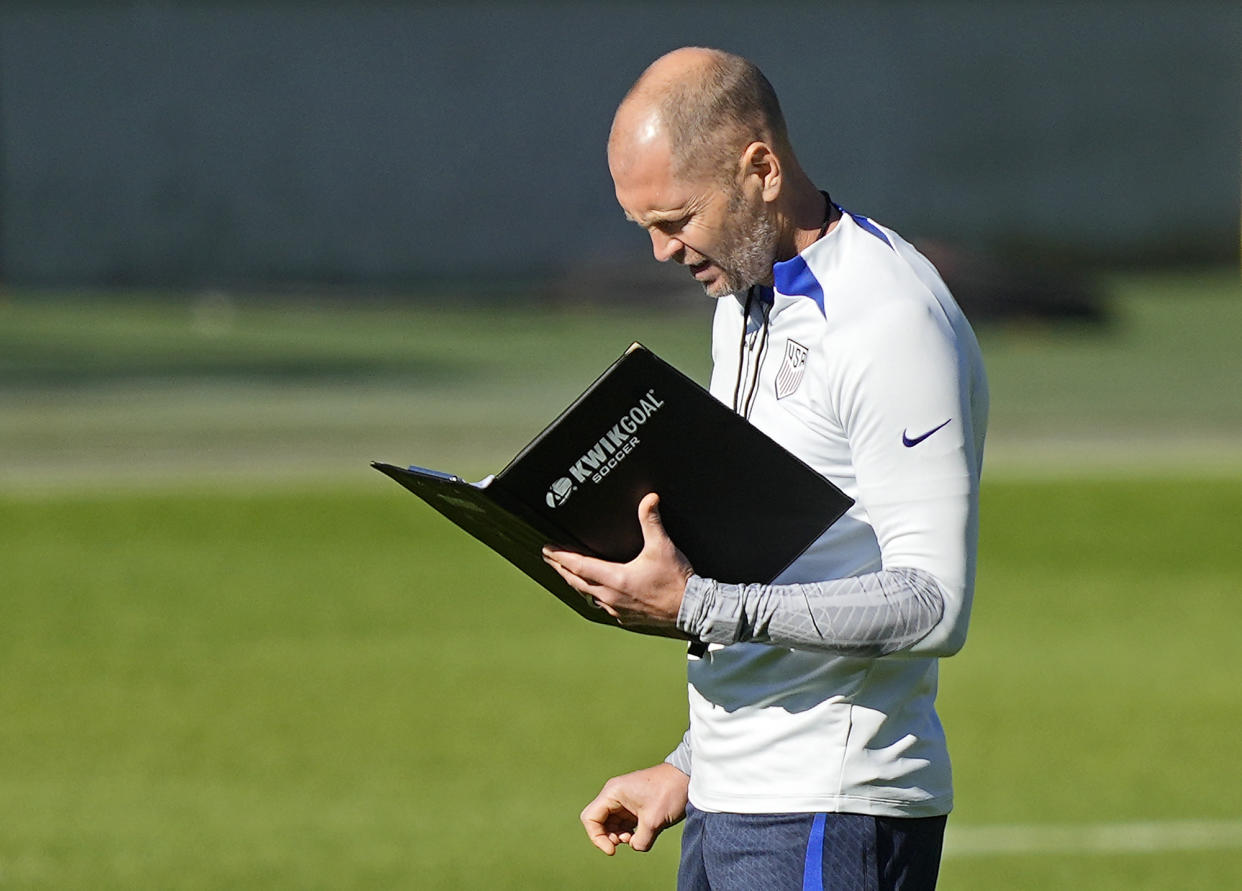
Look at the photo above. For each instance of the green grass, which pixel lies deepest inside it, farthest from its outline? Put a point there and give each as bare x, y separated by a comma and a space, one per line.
135, 390
300, 691
141, 389
1158, 383
1100, 638
233, 656
336, 689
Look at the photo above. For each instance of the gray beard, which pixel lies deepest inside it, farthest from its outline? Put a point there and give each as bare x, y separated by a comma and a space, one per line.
751, 261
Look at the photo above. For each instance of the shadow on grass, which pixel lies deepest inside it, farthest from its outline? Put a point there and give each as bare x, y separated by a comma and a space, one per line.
55, 368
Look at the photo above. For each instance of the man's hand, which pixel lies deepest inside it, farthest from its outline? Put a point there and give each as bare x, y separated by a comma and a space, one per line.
646, 591
634, 808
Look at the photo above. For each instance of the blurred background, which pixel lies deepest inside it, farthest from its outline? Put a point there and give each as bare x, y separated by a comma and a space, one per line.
383, 145
247, 247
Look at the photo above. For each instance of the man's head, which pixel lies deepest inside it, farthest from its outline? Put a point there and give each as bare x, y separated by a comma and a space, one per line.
699, 153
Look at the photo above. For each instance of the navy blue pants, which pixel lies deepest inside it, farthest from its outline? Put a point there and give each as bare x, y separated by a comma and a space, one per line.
825, 852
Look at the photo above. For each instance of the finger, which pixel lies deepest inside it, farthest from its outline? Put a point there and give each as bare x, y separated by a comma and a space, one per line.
603, 842
601, 594
575, 581
590, 569
596, 818
571, 559
598, 595
566, 574
600, 837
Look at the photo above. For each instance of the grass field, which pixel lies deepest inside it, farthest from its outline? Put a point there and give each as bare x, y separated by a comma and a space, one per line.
232, 656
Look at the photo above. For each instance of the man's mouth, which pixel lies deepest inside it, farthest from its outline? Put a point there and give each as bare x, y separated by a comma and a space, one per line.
699, 268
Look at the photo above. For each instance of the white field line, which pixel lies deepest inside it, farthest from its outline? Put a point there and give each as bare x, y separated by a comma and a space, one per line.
1094, 838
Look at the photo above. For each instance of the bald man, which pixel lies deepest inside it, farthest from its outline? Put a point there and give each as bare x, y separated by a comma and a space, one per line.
814, 757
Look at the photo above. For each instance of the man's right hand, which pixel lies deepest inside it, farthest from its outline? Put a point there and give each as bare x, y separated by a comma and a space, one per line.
634, 808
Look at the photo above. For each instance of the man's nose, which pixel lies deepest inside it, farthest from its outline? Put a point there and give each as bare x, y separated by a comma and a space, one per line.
664, 247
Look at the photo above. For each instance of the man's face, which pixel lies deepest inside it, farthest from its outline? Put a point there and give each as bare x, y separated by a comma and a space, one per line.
726, 242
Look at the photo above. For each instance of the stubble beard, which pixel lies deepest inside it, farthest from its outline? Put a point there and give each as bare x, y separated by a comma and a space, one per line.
748, 258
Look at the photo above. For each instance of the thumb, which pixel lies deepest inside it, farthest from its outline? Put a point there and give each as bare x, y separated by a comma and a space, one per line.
644, 836
649, 519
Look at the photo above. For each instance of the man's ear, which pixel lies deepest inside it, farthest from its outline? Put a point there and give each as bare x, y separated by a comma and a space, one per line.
758, 160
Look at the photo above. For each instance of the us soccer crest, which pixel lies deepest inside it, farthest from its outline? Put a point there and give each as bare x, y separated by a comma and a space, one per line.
793, 367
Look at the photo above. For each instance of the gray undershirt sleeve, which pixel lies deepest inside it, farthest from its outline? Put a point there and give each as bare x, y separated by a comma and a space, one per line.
870, 615
680, 756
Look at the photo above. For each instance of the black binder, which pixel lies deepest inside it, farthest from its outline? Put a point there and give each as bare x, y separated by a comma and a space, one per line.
739, 505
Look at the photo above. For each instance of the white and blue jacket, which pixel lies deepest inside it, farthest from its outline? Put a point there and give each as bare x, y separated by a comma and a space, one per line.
817, 692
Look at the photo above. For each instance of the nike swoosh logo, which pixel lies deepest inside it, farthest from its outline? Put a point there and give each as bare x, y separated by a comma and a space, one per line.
910, 442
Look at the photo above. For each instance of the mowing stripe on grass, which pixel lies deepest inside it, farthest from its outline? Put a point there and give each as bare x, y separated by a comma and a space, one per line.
1094, 838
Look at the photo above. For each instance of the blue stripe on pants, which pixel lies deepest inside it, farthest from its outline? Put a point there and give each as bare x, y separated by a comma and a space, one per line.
813, 870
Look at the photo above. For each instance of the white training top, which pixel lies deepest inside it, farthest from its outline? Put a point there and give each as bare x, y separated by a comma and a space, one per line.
860, 362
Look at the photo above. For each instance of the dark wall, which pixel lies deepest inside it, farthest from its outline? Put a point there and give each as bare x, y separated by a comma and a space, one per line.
376, 145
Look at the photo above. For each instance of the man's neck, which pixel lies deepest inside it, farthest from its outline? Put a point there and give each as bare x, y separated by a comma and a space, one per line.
812, 215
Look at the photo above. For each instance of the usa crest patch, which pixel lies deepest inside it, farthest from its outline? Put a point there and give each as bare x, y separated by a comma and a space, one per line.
793, 367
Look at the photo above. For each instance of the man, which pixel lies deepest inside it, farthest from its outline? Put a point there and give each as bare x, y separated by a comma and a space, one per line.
814, 757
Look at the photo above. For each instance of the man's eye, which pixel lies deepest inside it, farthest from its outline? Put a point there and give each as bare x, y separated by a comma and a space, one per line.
668, 227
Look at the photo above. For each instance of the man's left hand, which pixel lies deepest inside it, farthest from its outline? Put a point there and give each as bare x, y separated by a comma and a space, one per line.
646, 591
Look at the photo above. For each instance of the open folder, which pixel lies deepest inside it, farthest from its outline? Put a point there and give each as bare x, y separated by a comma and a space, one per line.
737, 504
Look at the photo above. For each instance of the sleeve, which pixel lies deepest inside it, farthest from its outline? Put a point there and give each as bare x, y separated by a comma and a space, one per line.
902, 390
680, 756
871, 615
909, 412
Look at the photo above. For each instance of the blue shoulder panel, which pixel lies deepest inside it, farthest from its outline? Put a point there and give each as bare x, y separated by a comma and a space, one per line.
794, 278
866, 225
